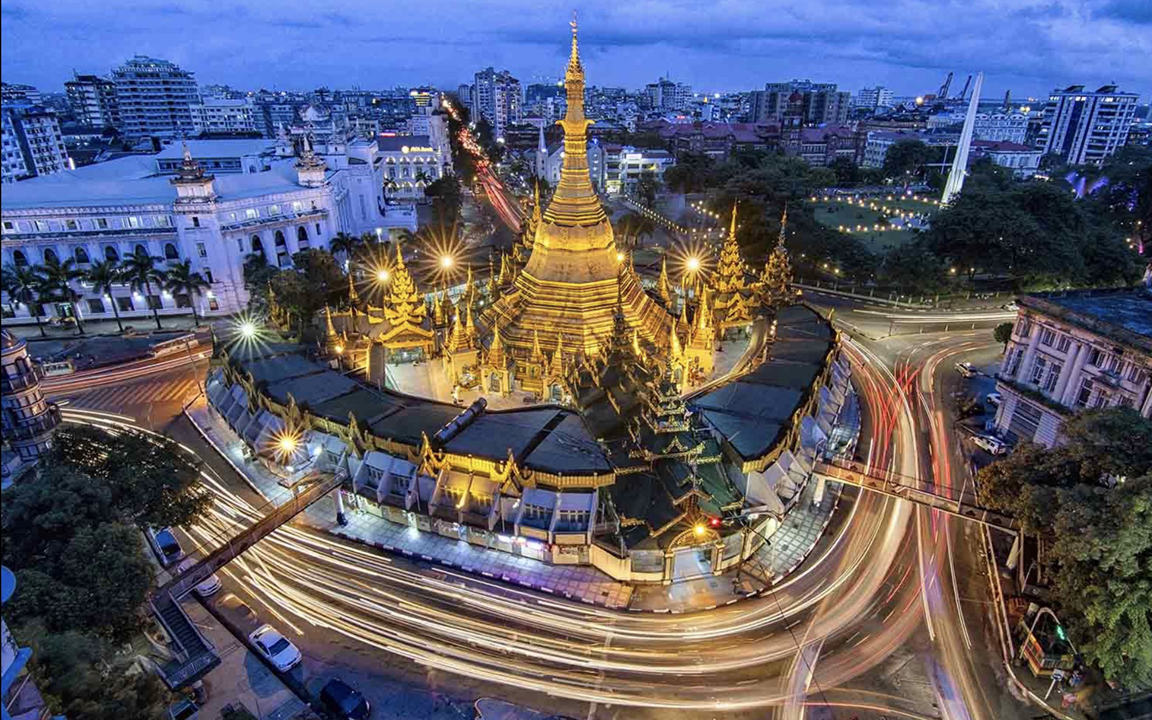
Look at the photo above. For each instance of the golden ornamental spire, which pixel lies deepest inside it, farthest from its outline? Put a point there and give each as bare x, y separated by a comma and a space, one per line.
662, 287
353, 296
403, 303
558, 356
732, 230
330, 329
537, 353
675, 351
496, 349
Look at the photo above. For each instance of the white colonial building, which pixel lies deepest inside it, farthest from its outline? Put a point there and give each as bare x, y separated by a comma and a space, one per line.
264, 203
1075, 350
412, 163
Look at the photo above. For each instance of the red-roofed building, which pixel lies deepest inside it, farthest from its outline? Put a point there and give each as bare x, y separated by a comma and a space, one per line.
717, 139
820, 146
1022, 160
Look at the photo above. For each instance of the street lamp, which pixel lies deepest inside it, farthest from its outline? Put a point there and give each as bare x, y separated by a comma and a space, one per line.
693, 263
248, 329
447, 261
382, 275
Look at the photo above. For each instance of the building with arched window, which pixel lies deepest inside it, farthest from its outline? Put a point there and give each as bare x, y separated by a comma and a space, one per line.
131, 205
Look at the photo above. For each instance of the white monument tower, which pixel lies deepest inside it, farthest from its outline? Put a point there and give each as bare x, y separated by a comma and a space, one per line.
960, 162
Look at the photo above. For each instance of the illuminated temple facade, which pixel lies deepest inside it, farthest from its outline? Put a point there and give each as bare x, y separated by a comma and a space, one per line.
618, 469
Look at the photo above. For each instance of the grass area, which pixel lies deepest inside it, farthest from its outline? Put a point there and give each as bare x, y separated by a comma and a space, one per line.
841, 215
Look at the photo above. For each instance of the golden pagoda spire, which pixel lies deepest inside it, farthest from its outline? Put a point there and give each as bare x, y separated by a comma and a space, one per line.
470, 327
496, 349
403, 304
353, 296
330, 329
703, 312
537, 353
675, 351
732, 229
777, 274
730, 270
575, 202
636, 343
558, 356
662, 283
536, 209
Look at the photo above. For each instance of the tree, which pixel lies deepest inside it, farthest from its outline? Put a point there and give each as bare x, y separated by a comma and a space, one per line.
103, 275
314, 282
181, 280
905, 160
1002, 333
56, 278
647, 187
1090, 500
631, 227
446, 198
345, 245
24, 286
140, 271
913, 268
847, 173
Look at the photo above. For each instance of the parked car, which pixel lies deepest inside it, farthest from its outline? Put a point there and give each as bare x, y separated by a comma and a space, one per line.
209, 586
277, 648
167, 547
344, 701
966, 369
1010, 307
994, 445
994, 399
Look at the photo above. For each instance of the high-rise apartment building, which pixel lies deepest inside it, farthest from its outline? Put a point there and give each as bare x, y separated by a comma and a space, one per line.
496, 98
93, 100
667, 95
16, 92
32, 143
225, 117
820, 103
874, 97
154, 97
1086, 127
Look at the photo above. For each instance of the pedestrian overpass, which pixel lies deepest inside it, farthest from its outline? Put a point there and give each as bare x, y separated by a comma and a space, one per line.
916, 490
195, 655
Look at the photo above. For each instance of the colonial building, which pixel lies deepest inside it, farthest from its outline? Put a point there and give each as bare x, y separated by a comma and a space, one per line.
1074, 350
112, 209
411, 163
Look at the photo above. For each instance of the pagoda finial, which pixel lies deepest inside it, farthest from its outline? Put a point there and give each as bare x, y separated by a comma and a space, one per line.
496, 349
330, 329
662, 282
353, 296
674, 343
783, 225
558, 357
732, 231
574, 58
537, 353
187, 152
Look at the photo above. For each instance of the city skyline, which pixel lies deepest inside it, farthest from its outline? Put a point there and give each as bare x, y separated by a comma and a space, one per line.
733, 48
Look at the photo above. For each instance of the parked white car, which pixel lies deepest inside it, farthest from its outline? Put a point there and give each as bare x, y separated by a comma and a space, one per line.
995, 446
966, 369
277, 648
209, 586
994, 399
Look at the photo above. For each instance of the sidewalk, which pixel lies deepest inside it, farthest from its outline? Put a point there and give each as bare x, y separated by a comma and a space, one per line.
241, 678
790, 545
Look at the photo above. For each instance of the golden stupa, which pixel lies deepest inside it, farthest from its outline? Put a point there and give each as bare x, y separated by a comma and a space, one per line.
575, 279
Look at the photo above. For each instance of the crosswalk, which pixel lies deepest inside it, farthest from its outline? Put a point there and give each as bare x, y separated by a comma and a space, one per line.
134, 398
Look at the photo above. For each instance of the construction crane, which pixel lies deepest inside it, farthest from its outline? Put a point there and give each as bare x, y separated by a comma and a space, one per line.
964, 92
943, 93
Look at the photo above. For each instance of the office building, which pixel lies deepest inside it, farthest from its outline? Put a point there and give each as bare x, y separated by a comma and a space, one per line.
820, 103
225, 117
136, 204
412, 163
18, 93
1071, 351
1084, 128
667, 95
93, 101
496, 98
32, 143
154, 98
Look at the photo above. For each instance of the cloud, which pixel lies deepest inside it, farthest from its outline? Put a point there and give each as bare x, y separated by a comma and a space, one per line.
1133, 11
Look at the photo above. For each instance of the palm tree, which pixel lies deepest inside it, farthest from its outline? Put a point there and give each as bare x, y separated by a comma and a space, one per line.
388, 186
181, 280
24, 286
344, 244
56, 277
422, 177
103, 275
140, 271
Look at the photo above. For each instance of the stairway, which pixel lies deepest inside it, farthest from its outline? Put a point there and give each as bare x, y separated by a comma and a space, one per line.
195, 656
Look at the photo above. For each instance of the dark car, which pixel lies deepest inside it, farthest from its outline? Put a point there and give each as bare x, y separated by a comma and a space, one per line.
167, 547
343, 701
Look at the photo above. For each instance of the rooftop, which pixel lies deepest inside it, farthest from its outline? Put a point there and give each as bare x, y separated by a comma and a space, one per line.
215, 149
1123, 315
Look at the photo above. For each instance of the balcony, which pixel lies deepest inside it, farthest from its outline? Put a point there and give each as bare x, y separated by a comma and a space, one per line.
16, 383
40, 425
114, 233
275, 221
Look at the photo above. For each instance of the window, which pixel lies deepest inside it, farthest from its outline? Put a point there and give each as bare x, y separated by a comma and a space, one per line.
1038, 369
257, 246
163, 221
273, 210
195, 221
1023, 327
40, 225
302, 236
1136, 375
110, 254
297, 206
95, 305
1047, 337
1085, 392
154, 302
133, 221
317, 229
1054, 370
101, 223
213, 306
140, 250
251, 213
81, 255
1014, 361
240, 244
1064, 343
71, 225
125, 303
170, 252
201, 250
1097, 357
50, 256
183, 301
9, 226
208, 276
19, 259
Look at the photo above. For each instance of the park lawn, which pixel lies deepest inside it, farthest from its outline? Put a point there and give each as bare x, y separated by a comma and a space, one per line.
837, 214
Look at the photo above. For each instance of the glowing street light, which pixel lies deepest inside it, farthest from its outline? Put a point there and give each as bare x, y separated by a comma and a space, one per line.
447, 261
693, 263
382, 275
699, 529
619, 257
248, 329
